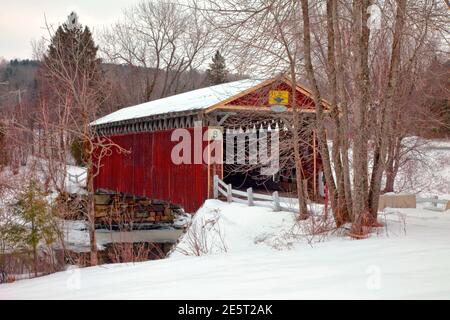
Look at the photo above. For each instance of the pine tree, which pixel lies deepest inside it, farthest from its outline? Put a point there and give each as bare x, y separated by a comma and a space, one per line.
63, 55
37, 222
68, 41
77, 86
72, 54
217, 72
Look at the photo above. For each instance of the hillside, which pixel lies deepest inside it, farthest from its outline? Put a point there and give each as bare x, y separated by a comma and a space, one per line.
127, 84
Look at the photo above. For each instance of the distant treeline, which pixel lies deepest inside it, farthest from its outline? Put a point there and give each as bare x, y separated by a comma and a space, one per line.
26, 62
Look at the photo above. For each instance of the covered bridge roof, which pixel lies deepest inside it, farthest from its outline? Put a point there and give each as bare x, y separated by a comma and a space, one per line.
192, 100
237, 95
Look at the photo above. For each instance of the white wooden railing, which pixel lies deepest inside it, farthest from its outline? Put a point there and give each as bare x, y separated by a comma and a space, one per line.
249, 197
273, 201
434, 203
77, 178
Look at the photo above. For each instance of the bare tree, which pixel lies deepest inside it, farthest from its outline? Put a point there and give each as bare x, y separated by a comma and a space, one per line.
356, 67
204, 236
264, 35
77, 92
163, 40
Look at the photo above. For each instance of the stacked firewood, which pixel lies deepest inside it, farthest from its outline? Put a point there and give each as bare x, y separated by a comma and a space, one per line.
127, 208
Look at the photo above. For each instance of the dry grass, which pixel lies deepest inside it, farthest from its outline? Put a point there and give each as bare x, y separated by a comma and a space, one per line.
203, 236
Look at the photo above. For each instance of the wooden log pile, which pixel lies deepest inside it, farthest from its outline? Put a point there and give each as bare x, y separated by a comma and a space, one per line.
121, 207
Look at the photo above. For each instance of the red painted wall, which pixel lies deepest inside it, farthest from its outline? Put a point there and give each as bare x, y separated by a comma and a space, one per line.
261, 97
149, 171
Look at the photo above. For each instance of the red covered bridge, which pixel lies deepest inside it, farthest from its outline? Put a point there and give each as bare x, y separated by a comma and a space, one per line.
146, 131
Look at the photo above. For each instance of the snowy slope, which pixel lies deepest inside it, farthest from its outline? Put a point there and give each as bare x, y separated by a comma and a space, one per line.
192, 100
428, 173
37, 168
415, 264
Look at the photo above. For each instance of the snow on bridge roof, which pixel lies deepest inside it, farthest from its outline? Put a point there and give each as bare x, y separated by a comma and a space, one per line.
191, 100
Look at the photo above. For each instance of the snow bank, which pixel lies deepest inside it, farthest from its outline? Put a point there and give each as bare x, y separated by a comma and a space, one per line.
426, 171
410, 260
38, 168
241, 227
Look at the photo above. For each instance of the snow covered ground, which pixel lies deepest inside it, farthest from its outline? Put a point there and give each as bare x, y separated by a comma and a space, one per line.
428, 173
37, 168
258, 256
408, 259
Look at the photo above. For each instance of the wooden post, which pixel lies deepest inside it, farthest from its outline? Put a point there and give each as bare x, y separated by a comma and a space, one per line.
276, 201
434, 202
216, 187
250, 197
305, 188
321, 184
315, 164
229, 195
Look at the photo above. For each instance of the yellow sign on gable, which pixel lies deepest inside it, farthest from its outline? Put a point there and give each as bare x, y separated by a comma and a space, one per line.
278, 97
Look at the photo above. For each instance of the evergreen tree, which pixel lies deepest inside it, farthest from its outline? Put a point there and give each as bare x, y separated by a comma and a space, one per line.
76, 149
72, 55
68, 41
217, 72
35, 222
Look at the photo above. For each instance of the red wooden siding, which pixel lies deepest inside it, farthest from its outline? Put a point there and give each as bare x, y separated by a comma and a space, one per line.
149, 171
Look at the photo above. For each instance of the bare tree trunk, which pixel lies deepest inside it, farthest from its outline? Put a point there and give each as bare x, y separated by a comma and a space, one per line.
35, 254
360, 45
386, 118
90, 205
332, 78
392, 165
343, 134
321, 131
91, 219
296, 125
301, 194
35, 260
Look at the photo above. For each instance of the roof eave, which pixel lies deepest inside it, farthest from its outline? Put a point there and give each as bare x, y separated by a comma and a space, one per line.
160, 116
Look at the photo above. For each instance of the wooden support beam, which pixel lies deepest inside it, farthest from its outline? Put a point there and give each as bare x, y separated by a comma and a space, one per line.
276, 201
229, 193
216, 186
250, 197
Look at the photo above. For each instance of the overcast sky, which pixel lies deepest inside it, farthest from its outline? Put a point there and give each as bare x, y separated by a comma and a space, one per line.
21, 21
